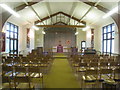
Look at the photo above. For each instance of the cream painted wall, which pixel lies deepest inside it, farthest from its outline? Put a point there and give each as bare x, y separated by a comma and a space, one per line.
81, 36
88, 38
39, 38
98, 39
23, 39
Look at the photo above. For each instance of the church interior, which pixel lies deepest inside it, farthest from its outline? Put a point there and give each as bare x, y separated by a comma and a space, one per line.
59, 44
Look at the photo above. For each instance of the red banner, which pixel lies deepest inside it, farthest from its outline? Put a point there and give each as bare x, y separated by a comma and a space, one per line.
28, 38
2, 41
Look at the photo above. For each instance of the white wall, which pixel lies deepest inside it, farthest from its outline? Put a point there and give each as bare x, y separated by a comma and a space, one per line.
88, 38
23, 39
81, 36
39, 38
22, 36
98, 37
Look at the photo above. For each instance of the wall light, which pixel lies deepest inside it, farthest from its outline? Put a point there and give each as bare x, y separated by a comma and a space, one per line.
114, 10
84, 29
76, 33
43, 32
34, 27
9, 10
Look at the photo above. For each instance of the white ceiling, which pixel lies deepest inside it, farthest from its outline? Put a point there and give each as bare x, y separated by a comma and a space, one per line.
94, 17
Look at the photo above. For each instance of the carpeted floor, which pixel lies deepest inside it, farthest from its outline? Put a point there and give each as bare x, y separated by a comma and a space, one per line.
61, 75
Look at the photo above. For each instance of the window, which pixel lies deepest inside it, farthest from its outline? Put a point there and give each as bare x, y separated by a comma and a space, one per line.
11, 38
108, 38
83, 45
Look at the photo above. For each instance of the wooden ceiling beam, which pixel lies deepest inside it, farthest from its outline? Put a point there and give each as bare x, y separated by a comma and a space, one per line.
98, 6
24, 5
59, 22
78, 26
63, 14
45, 18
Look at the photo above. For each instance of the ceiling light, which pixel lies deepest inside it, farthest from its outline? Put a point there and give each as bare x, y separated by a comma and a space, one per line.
34, 27
43, 32
9, 10
84, 29
114, 10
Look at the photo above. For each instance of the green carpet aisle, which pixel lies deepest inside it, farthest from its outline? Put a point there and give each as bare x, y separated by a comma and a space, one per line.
61, 75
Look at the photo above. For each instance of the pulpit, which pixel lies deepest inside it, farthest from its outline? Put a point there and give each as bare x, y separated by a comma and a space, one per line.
59, 48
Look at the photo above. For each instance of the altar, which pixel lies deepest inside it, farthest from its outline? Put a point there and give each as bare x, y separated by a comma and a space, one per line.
60, 49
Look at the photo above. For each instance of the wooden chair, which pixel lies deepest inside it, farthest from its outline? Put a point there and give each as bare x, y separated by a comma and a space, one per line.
23, 83
114, 65
106, 74
103, 65
17, 61
93, 66
7, 71
117, 74
20, 71
34, 72
6, 82
25, 62
82, 67
8, 61
90, 78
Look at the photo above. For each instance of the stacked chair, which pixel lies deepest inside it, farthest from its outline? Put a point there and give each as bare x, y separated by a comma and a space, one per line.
19, 72
94, 70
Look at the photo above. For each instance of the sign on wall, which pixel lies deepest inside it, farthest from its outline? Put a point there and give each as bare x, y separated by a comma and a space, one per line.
68, 42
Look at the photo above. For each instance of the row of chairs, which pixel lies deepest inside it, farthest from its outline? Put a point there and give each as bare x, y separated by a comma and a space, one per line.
43, 62
92, 68
13, 74
96, 77
20, 72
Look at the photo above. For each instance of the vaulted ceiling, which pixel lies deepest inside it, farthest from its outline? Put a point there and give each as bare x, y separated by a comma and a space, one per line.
40, 9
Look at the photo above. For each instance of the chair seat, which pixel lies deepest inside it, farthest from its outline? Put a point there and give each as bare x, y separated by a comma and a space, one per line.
8, 74
104, 77
89, 78
75, 65
24, 85
21, 75
93, 68
7, 85
110, 81
117, 77
17, 65
35, 65
43, 65
25, 64
35, 75
82, 69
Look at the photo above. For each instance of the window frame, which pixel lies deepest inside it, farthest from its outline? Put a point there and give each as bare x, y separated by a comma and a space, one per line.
12, 38
107, 39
